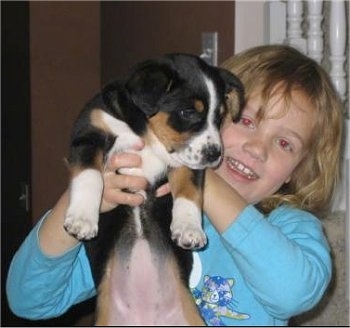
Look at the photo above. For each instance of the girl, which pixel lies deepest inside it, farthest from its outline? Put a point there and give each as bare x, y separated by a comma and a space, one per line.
267, 258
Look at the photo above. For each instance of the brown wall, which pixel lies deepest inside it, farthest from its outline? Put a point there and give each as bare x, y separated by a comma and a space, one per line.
133, 31
74, 43
65, 73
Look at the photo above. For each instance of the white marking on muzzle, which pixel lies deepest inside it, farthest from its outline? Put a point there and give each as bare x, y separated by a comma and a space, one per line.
203, 147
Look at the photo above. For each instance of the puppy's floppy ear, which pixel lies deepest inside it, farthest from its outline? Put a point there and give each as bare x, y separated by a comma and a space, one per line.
148, 83
234, 94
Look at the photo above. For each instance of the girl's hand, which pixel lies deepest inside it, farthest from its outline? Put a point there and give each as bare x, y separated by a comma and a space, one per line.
163, 190
119, 188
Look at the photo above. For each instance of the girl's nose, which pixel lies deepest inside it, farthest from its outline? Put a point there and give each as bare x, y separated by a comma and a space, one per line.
256, 148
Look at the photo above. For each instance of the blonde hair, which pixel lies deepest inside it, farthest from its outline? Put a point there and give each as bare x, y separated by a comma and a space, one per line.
266, 68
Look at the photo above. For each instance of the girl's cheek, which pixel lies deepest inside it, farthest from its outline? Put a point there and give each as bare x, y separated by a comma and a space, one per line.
227, 128
230, 134
227, 137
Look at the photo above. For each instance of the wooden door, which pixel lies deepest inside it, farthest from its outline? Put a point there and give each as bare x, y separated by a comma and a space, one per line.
15, 142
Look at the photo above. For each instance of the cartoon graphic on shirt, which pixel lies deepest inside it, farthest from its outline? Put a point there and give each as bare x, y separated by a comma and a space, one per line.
215, 300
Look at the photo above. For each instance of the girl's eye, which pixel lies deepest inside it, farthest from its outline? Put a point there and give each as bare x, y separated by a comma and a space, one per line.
247, 122
285, 145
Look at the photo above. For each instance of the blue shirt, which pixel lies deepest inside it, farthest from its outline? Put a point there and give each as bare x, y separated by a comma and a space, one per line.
260, 271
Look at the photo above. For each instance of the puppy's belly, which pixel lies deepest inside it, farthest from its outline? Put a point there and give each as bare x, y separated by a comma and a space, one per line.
145, 289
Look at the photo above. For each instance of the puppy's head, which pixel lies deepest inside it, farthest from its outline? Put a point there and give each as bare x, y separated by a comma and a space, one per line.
185, 100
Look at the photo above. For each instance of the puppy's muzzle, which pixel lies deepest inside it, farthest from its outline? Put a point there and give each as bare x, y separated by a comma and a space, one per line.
211, 155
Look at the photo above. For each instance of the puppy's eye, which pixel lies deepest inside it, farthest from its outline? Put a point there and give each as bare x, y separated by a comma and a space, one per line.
189, 114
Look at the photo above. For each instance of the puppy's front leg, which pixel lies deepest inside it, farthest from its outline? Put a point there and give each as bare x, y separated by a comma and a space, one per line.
85, 197
186, 186
95, 137
86, 163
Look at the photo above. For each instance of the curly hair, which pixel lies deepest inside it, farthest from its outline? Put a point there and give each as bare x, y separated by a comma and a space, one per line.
267, 68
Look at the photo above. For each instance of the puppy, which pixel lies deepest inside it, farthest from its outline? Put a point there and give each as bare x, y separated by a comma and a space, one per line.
141, 259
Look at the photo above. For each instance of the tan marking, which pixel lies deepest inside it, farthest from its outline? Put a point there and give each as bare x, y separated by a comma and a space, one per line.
75, 170
233, 103
199, 105
190, 309
104, 299
170, 138
181, 185
98, 161
96, 119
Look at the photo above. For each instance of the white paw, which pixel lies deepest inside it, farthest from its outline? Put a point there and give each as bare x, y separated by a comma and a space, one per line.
83, 211
188, 236
186, 228
80, 225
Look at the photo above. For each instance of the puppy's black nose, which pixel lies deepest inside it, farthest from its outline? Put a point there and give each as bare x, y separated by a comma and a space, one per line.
212, 154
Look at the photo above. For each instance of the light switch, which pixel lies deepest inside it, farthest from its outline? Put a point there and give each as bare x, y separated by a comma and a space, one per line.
210, 48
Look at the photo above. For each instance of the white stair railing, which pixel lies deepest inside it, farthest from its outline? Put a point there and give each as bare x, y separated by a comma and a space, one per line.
313, 44
304, 22
294, 25
315, 32
337, 42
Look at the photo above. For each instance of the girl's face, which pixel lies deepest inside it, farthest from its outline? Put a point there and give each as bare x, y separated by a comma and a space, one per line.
260, 156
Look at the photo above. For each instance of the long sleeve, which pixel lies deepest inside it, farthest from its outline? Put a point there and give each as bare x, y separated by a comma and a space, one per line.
40, 287
261, 270
284, 259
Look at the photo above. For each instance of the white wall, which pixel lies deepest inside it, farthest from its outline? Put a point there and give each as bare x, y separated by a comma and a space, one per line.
249, 24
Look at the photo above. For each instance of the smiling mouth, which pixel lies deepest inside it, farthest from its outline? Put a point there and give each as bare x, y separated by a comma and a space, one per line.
241, 169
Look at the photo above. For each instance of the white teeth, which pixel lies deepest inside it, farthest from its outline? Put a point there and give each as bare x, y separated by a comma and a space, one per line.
238, 166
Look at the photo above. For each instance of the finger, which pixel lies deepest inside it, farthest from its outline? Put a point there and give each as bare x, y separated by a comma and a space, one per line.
114, 197
163, 190
139, 145
120, 181
119, 160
